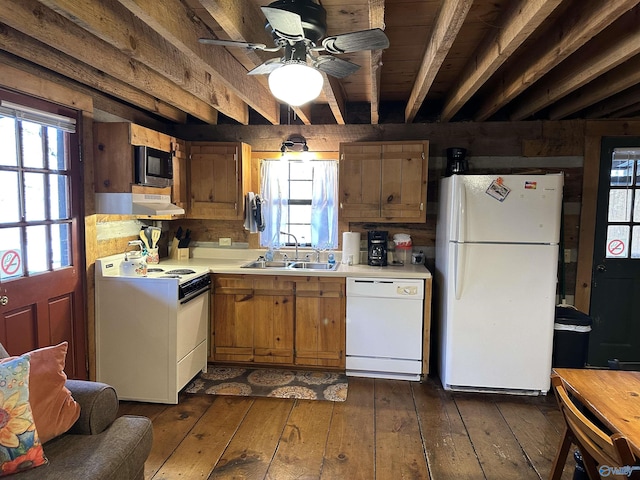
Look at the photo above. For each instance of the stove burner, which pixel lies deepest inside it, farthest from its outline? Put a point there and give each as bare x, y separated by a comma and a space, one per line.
154, 270
180, 271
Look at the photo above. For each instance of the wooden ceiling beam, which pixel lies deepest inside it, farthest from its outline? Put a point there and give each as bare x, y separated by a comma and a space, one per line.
113, 23
25, 47
629, 111
561, 40
612, 82
446, 27
243, 21
39, 22
376, 20
614, 46
174, 21
521, 19
335, 98
614, 103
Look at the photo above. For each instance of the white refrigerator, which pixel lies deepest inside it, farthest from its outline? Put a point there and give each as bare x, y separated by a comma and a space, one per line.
496, 275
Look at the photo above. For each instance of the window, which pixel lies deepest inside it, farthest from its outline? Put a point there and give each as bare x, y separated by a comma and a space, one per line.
35, 218
623, 216
300, 199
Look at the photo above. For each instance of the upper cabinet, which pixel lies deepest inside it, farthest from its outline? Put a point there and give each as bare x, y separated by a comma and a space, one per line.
219, 176
384, 181
114, 156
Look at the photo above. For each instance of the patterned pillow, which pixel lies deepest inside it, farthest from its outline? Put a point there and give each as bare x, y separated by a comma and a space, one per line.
20, 447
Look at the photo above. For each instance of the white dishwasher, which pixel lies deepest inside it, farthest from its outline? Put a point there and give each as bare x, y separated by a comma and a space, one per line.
384, 328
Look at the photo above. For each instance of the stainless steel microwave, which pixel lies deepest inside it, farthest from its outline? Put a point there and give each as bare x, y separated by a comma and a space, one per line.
154, 167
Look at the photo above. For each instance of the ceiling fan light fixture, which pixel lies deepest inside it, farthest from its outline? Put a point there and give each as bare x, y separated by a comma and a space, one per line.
295, 83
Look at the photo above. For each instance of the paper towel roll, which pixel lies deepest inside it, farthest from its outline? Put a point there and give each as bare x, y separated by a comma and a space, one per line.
351, 246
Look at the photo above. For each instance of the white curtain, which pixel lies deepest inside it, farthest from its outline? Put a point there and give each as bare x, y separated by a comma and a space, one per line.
324, 213
274, 190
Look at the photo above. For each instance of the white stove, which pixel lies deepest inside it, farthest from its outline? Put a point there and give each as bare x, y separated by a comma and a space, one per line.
151, 331
190, 280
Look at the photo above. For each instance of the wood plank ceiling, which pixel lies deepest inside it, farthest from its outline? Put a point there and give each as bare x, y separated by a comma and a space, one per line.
448, 60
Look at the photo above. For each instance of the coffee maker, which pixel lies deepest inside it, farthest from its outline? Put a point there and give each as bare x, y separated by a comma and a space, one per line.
377, 248
456, 161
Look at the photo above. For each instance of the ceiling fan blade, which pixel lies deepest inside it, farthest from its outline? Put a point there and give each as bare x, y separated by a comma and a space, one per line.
335, 67
373, 39
285, 24
231, 43
267, 67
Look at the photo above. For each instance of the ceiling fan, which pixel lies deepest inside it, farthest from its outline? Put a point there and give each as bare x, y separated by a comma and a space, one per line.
299, 27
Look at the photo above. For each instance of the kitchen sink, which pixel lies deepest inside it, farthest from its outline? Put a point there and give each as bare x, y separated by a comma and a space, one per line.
268, 264
314, 266
290, 264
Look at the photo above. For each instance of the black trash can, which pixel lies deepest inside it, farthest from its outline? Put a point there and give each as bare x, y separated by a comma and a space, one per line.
570, 338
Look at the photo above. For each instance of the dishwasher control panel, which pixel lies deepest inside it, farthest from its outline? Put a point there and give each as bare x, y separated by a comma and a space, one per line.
386, 288
407, 290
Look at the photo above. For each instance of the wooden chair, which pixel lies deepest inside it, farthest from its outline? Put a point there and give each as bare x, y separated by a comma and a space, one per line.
596, 446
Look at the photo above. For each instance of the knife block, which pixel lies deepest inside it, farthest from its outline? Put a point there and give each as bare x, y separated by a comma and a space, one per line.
178, 253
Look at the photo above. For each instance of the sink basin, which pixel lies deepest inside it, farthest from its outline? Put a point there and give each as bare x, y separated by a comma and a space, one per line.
266, 264
314, 266
290, 264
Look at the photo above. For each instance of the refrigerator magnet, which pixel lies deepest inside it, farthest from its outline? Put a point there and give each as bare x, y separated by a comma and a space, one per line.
498, 190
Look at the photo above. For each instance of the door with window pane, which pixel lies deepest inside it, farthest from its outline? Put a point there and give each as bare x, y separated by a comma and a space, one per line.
615, 293
41, 266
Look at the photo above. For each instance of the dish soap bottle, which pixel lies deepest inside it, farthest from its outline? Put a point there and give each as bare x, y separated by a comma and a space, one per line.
331, 258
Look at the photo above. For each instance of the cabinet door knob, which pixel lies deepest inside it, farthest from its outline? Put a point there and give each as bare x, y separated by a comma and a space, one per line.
4, 300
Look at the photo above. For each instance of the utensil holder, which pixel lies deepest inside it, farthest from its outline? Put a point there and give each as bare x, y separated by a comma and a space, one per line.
153, 256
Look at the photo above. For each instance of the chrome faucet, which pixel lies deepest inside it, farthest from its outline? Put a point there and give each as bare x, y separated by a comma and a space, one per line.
295, 240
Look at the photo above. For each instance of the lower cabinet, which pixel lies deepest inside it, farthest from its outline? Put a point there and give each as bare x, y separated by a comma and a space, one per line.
320, 322
283, 320
253, 319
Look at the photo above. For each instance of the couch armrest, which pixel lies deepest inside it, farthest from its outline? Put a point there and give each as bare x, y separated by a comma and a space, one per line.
98, 406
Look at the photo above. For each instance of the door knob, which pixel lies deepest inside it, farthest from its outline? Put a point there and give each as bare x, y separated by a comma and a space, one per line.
4, 300
601, 268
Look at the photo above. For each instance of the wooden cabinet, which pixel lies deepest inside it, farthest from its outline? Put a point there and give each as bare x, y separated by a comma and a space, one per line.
383, 181
253, 319
281, 320
218, 179
113, 153
320, 322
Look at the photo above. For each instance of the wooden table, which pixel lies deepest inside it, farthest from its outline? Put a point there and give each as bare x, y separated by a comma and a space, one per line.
612, 395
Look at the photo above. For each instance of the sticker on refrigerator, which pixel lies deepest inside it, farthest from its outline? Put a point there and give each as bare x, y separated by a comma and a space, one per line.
498, 190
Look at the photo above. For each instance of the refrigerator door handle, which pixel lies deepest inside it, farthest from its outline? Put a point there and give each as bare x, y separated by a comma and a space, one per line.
459, 260
460, 209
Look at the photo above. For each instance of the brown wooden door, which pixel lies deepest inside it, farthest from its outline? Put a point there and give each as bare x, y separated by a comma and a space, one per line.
404, 181
232, 328
360, 181
320, 322
215, 181
41, 236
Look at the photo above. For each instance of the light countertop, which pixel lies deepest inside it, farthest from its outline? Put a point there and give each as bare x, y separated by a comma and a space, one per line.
230, 261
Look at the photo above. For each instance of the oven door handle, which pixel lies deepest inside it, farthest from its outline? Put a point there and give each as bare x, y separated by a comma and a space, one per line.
193, 295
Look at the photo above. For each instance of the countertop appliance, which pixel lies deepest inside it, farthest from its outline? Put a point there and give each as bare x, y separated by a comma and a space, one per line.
384, 328
496, 271
151, 332
377, 248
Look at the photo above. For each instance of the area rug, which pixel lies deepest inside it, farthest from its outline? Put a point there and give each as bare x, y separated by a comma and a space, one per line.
270, 382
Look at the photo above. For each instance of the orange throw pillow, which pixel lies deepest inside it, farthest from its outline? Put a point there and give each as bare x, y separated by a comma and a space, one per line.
54, 409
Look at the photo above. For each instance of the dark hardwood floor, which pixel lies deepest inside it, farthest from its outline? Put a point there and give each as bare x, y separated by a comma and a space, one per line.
386, 430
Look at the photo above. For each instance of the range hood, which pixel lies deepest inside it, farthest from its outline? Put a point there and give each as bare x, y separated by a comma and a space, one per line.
136, 204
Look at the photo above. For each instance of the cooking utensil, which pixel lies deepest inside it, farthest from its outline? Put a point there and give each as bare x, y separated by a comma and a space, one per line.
155, 236
143, 237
